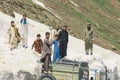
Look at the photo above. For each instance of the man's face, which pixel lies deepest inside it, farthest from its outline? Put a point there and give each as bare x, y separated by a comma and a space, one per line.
48, 36
57, 28
56, 37
24, 17
65, 28
38, 38
89, 25
12, 23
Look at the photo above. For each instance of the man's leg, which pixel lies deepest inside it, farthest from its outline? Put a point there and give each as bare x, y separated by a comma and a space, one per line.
58, 54
23, 40
54, 56
65, 49
61, 49
46, 63
26, 40
86, 48
91, 49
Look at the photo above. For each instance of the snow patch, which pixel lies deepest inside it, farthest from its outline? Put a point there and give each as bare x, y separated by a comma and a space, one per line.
73, 3
40, 3
43, 5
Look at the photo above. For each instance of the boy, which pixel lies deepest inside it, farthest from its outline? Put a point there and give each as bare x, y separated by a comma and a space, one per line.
56, 55
38, 44
12, 36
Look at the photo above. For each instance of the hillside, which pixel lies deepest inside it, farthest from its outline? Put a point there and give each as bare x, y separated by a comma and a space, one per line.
103, 14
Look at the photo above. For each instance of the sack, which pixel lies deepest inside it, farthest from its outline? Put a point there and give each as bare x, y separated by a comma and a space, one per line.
42, 60
43, 57
84, 64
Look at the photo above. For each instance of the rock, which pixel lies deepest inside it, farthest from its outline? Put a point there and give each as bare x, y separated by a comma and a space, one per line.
22, 75
12, 14
114, 48
8, 76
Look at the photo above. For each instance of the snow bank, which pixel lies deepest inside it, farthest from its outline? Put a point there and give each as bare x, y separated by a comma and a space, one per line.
73, 3
43, 5
39, 3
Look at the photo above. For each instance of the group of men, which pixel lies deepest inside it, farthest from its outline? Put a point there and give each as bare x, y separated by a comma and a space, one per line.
15, 36
60, 40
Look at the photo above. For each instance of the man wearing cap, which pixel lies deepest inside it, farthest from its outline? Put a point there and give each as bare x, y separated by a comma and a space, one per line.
89, 39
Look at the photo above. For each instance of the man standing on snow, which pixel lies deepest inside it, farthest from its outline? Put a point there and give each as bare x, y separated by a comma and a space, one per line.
63, 37
89, 39
24, 31
56, 32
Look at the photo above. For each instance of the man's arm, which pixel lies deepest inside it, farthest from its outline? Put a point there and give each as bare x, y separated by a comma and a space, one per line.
67, 37
85, 35
59, 35
41, 43
33, 45
49, 43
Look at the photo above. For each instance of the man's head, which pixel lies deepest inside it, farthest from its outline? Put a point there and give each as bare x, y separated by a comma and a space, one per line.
47, 35
24, 16
38, 36
57, 28
91, 78
12, 23
65, 27
56, 36
88, 26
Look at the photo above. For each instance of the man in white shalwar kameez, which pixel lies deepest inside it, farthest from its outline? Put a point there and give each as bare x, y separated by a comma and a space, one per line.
24, 31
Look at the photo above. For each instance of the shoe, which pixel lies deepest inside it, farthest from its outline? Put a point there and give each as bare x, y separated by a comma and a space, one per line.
11, 49
26, 47
23, 46
91, 53
87, 54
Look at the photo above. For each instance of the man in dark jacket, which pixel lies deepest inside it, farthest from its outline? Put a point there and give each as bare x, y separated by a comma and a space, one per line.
63, 37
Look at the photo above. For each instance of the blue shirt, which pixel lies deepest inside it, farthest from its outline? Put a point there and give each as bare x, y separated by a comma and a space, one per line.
23, 21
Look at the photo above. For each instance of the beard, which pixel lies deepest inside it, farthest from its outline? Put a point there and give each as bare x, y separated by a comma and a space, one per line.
88, 28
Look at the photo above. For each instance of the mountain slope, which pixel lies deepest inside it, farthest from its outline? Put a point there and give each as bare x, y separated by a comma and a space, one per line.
31, 9
102, 14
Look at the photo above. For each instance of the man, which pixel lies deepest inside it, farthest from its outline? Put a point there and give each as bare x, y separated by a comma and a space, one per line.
24, 31
63, 37
46, 56
38, 44
89, 39
56, 32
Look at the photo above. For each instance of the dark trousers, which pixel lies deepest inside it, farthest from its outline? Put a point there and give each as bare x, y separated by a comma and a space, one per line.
46, 60
63, 48
46, 63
